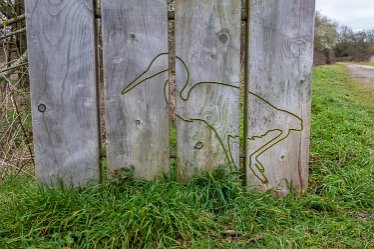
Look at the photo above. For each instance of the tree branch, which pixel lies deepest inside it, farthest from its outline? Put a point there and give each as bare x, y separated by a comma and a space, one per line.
12, 33
5, 23
18, 63
7, 10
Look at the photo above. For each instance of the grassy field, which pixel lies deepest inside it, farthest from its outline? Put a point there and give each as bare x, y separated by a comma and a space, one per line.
215, 211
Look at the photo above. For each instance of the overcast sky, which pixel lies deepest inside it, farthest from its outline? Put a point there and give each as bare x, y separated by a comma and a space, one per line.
357, 14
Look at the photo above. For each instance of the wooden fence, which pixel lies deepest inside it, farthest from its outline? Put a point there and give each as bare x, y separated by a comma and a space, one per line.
276, 97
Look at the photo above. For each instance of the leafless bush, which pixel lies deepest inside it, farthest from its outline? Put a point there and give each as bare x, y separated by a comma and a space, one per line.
15, 117
15, 128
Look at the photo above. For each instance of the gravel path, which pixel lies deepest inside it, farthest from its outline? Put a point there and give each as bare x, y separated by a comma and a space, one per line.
362, 73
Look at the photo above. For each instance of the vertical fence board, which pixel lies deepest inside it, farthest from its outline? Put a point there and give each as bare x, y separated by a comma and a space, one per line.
279, 71
207, 76
137, 123
61, 41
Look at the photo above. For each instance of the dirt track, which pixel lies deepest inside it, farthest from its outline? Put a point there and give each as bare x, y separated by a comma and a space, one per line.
362, 73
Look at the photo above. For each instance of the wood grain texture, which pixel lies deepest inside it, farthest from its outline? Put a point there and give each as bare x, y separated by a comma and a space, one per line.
207, 37
280, 51
62, 64
137, 123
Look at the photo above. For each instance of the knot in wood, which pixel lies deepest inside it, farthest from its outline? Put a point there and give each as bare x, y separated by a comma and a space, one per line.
224, 37
211, 117
297, 46
42, 108
198, 145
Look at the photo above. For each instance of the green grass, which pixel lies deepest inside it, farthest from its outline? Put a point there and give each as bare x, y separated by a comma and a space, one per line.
336, 211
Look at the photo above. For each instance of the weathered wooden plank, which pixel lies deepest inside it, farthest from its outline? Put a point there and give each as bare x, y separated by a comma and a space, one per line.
62, 64
137, 123
280, 36
207, 75
244, 13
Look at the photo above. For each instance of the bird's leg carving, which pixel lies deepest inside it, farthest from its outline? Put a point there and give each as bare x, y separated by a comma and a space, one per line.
254, 157
291, 123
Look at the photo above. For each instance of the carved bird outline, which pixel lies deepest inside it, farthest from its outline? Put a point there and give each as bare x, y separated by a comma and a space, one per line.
159, 66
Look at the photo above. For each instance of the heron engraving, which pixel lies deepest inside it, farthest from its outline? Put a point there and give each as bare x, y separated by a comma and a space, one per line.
211, 116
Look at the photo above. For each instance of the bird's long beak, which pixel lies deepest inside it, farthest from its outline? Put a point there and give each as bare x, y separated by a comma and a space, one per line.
139, 80
158, 65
